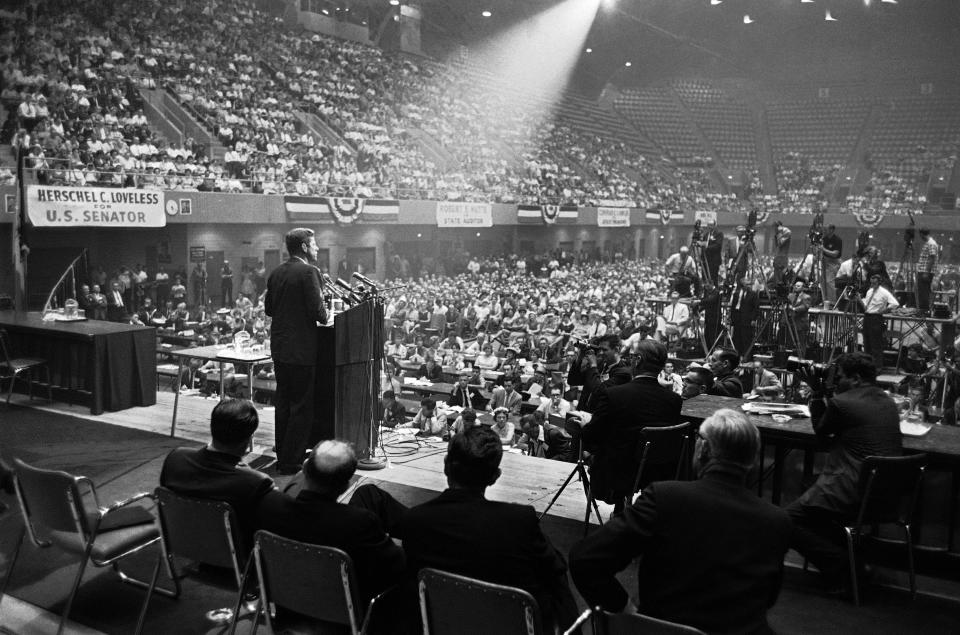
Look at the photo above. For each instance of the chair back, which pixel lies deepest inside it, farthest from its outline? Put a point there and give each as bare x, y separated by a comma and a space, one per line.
889, 487
628, 624
52, 506
198, 529
317, 581
456, 604
6, 349
666, 445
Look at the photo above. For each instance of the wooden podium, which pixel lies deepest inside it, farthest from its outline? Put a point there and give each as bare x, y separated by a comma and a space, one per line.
353, 385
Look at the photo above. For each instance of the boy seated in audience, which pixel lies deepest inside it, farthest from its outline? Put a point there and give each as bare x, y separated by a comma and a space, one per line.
394, 413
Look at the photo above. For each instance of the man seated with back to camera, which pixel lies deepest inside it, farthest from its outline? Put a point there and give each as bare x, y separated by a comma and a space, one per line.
619, 412
731, 577
857, 421
462, 532
216, 471
311, 513
723, 363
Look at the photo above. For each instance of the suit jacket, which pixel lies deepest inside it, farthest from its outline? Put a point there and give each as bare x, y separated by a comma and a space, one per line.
295, 302
462, 532
319, 520
619, 414
748, 306
723, 585
858, 423
593, 379
501, 399
457, 398
728, 385
205, 473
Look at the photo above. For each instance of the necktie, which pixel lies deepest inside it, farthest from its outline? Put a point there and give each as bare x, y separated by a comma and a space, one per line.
739, 298
117, 299
466, 397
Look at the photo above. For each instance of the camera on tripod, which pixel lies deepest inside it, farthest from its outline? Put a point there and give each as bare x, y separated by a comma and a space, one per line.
697, 232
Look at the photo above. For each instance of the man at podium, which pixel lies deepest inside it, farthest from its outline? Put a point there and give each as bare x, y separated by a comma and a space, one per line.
295, 302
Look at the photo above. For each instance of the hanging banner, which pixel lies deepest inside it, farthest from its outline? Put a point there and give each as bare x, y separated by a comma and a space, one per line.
547, 214
343, 211
705, 217
453, 214
53, 206
613, 217
868, 218
665, 216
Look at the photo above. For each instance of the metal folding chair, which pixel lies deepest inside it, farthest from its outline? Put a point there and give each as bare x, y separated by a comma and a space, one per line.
12, 367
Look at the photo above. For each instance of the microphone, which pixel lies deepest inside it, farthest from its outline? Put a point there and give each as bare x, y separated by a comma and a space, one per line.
328, 282
347, 291
365, 280
344, 285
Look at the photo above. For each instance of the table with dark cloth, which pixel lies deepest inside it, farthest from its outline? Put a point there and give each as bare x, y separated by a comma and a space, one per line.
105, 365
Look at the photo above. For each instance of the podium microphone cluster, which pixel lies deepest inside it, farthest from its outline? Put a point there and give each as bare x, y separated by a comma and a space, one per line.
365, 280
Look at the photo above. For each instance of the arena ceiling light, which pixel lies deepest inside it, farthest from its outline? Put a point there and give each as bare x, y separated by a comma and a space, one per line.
394, 3
714, 3
829, 18
748, 20
486, 14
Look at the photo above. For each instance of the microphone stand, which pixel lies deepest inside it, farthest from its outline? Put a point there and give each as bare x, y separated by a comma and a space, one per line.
375, 365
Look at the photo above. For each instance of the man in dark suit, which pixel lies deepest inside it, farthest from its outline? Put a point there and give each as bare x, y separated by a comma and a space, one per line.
744, 304
465, 395
609, 370
314, 516
462, 532
619, 412
296, 304
860, 420
724, 362
116, 308
733, 575
713, 251
216, 471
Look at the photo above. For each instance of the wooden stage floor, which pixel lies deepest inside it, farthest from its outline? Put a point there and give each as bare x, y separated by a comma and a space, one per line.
525, 480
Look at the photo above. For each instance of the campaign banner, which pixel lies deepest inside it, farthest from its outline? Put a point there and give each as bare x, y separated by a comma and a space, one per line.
613, 217
547, 214
606, 202
55, 206
453, 214
705, 217
344, 211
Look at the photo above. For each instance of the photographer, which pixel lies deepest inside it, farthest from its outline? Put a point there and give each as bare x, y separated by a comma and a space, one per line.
876, 302
831, 247
609, 370
781, 241
859, 420
681, 270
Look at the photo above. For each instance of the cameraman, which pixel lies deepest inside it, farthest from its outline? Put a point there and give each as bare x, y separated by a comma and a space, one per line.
831, 247
609, 370
859, 420
781, 241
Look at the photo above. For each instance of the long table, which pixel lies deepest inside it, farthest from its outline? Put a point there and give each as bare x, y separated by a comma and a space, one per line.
941, 445
105, 365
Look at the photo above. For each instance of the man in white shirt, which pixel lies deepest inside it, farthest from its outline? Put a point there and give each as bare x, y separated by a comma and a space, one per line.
876, 301
674, 318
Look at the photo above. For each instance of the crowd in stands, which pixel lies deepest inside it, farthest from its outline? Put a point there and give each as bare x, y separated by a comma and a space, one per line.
362, 122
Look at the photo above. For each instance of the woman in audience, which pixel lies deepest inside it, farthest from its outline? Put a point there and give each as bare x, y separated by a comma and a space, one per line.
502, 426
487, 360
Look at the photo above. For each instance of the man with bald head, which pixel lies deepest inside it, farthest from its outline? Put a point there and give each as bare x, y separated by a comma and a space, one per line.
725, 584
314, 515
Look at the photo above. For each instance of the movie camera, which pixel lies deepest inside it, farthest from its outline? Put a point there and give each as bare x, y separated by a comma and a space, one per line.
815, 374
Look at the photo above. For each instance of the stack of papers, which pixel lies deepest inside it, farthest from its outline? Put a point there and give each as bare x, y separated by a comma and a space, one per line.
413, 381
770, 408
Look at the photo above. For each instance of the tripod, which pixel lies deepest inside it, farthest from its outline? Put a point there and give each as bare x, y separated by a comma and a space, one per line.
852, 295
699, 259
776, 316
579, 470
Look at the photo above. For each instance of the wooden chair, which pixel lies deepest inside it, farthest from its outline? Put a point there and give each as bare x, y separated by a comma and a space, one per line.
63, 510
889, 490
312, 580
13, 367
666, 445
455, 604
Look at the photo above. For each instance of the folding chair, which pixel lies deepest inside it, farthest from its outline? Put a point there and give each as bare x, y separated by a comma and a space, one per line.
889, 489
56, 512
201, 531
312, 580
667, 446
12, 367
458, 605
